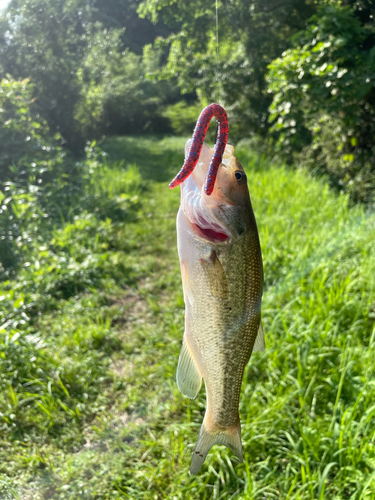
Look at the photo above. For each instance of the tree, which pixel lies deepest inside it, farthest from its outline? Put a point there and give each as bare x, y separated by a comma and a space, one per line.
323, 109
122, 14
116, 96
51, 42
45, 41
232, 72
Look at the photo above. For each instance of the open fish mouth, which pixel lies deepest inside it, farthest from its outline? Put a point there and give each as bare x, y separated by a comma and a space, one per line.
202, 218
206, 214
211, 234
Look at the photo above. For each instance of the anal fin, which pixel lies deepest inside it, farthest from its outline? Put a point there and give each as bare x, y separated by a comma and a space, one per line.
189, 380
260, 343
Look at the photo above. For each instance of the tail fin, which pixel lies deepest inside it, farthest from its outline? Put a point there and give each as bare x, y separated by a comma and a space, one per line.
230, 437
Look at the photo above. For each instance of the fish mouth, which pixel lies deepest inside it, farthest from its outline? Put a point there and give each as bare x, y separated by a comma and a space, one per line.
206, 214
202, 218
210, 234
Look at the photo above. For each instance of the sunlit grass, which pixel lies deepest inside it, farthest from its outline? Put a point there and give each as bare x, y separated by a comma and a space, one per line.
97, 413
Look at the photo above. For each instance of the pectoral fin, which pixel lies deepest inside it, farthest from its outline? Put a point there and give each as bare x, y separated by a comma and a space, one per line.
189, 380
188, 294
259, 344
215, 276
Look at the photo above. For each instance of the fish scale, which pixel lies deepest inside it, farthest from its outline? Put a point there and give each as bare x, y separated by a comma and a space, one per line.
222, 275
234, 353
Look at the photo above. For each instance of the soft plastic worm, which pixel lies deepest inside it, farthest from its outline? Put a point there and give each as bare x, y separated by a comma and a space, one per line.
199, 135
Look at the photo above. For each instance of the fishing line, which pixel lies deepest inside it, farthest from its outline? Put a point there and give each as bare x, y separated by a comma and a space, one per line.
217, 46
217, 62
217, 31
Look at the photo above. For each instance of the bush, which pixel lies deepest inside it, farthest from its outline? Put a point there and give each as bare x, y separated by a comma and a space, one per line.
183, 117
34, 173
23, 137
41, 186
323, 107
117, 97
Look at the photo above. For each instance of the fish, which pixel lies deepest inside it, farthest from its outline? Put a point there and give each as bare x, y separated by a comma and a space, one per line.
222, 279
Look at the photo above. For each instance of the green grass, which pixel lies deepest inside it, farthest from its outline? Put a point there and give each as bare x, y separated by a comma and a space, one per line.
92, 330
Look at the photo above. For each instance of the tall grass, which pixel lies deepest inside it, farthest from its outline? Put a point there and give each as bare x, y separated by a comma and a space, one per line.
90, 408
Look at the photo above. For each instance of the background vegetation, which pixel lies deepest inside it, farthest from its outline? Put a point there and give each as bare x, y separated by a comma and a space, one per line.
91, 307
297, 76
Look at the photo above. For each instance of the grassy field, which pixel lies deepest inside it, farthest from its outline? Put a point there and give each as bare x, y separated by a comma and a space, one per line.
92, 327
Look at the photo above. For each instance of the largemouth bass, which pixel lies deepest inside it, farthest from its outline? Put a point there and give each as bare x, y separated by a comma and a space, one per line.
222, 276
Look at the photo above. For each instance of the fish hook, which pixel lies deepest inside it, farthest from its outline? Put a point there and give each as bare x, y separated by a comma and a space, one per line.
199, 135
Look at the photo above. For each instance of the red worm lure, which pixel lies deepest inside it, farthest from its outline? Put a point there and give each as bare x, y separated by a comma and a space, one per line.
199, 135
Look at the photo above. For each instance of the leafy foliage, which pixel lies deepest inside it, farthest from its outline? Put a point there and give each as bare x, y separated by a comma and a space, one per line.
183, 117
35, 174
323, 101
116, 96
77, 58
230, 70
45, 41
23, 139
122, 14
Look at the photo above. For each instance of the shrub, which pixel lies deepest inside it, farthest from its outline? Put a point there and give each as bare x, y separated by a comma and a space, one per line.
323, 107
183, 117
117, 97
23, 137
34, 172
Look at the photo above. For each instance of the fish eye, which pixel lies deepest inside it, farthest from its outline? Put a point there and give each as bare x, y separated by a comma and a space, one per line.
240, 176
